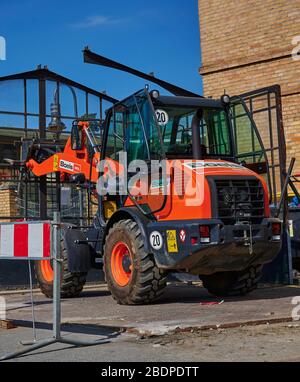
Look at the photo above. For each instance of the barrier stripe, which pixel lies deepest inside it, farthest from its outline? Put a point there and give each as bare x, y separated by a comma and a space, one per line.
25, 240
47, 240
7, 240
35, 239
21, 240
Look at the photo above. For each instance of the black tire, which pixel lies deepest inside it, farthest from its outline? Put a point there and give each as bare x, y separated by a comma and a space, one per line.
232, 283
72, 283
147, 281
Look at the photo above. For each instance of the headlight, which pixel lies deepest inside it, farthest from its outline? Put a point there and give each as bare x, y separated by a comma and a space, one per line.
154, 93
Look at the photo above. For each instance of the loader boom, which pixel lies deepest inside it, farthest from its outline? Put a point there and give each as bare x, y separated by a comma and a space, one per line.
77, 157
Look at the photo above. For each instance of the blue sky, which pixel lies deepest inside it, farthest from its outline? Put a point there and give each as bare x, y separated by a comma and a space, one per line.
159, 36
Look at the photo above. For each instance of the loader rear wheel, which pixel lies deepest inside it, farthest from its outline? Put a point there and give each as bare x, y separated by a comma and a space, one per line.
71, 282
232, 283
131, 273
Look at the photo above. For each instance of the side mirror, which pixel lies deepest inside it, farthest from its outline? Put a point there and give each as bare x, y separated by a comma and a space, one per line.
77, 178
76, 137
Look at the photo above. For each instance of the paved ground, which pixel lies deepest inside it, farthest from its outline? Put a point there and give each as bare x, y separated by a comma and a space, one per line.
151, 333
181, 307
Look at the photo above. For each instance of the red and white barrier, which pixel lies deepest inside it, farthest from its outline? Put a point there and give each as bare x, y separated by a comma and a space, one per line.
28, 240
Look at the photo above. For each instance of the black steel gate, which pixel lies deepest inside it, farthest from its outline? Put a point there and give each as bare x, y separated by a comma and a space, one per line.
265, 108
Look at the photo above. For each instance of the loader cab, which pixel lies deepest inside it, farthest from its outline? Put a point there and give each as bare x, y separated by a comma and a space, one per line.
149, 127
145, 127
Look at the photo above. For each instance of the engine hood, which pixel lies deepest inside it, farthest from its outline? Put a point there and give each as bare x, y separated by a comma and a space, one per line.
192, 195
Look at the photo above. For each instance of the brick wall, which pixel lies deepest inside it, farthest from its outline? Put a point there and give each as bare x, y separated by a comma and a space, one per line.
246, 45
8, 205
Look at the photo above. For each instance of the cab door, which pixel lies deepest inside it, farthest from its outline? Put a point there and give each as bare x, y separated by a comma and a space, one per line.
131, 131
144, 150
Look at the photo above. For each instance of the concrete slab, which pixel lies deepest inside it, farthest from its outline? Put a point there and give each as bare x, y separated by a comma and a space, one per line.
181, 308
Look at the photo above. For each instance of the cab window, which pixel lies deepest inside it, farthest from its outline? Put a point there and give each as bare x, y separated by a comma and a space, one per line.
115, 137
176, 129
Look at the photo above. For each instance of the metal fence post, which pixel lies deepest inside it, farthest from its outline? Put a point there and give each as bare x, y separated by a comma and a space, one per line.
57, 263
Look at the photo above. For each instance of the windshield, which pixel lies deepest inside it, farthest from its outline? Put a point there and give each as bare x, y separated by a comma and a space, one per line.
176, 129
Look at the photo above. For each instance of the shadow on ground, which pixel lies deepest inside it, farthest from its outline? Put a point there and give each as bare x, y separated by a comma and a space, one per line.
185, 293
88, 329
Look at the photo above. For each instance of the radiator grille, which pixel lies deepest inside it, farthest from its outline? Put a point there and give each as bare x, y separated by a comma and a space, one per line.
240, 200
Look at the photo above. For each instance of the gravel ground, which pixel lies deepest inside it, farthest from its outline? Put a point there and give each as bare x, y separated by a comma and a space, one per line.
279, 342
263, 343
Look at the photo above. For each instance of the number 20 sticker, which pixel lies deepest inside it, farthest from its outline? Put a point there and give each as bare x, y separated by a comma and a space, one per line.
162, 117
156, 240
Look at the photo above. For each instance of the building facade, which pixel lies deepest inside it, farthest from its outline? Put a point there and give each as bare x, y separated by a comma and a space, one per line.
249, 44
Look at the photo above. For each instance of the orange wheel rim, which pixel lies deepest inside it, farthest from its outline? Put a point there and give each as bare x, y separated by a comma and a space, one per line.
121, 264
47, 270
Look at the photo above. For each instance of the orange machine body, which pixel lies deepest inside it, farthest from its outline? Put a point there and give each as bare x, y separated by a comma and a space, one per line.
68, 161
178, 214
189, 194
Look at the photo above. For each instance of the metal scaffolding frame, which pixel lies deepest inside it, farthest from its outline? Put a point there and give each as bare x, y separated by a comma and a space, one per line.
43, 76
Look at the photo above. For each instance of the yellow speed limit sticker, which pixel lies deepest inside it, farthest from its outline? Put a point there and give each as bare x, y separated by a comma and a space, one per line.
172, 240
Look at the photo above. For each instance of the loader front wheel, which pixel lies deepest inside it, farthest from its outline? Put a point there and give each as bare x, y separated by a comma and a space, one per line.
71, 282
131, 273
232, 283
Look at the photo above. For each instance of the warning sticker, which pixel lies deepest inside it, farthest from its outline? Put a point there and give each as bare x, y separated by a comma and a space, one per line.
182, 235
172, 240
55, 162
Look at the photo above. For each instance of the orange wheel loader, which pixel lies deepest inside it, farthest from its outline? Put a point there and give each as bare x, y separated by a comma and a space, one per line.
181, 184
195, 199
